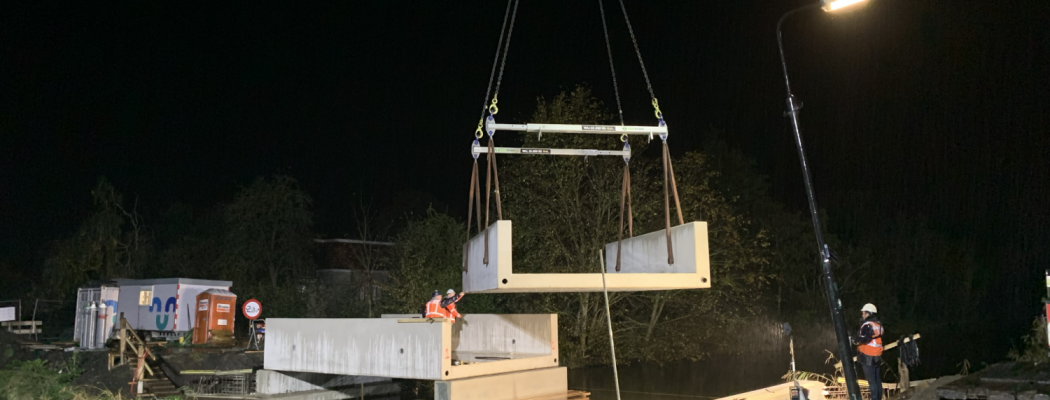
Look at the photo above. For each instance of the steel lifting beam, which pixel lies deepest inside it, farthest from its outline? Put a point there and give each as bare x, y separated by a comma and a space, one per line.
565, 128
552, 152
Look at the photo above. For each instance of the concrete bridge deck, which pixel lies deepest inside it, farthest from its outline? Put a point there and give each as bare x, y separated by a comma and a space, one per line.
396, 347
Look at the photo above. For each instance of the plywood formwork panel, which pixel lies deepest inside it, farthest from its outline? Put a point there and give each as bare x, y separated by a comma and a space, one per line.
643, 264
413, 348
279, 382
510, 386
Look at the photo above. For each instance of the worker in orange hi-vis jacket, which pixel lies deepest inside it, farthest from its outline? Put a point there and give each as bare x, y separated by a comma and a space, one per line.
869, 344
434, 308
449, 304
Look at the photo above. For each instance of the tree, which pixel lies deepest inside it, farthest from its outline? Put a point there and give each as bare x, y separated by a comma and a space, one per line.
268, 232
428, 256
368, 258
566, 209
113, 242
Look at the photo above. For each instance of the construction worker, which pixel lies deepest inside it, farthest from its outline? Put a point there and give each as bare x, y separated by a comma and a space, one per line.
449, 303
869, 345
434, 308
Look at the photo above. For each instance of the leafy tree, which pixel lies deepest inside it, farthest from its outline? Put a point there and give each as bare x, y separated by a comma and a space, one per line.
268, 234
428, 256
114, 242
566, 208
190, 244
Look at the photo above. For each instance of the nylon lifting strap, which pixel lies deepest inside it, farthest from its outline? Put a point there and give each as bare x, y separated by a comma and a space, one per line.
475, 187
491, 175
669, 178
625, 194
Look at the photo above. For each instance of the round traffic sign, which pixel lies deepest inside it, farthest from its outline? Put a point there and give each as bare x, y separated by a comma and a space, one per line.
252, 309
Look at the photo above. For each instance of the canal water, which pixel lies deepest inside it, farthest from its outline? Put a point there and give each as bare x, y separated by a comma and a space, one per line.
764, 361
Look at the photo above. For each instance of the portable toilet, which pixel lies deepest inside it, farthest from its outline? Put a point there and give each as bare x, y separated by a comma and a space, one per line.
216, 309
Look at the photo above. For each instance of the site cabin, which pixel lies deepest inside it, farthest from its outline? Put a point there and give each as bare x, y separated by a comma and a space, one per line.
163, 307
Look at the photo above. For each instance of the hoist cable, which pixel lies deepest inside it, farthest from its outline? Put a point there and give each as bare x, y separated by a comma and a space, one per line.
612, 68
506, 48
637, 51
495, 59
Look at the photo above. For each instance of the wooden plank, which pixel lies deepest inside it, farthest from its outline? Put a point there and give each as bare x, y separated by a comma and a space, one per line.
421, 320
864, 383
214, 372
569, 395
884, 348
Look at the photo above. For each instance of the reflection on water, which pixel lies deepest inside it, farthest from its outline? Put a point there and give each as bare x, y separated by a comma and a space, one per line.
765, 361
766, 358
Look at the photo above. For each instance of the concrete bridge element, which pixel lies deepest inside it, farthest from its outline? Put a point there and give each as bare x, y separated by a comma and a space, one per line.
413, 348
643, 264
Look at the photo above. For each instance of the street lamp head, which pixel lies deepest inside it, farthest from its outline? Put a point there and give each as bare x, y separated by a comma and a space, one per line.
836, 5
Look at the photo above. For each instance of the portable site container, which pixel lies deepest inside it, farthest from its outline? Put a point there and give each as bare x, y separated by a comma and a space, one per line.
94, 325
216, 311
163, 307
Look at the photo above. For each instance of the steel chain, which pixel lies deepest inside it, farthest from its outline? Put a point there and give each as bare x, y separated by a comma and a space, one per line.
612, 67
495, 59
637, 51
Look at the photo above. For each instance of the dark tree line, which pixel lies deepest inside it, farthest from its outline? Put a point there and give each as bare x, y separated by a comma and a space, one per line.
565, 209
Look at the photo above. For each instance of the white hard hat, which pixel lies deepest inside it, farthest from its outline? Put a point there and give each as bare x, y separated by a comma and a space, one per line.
450, 291
869, 308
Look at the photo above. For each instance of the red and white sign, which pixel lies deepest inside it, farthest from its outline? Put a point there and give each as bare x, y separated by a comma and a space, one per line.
252, 309
222, 307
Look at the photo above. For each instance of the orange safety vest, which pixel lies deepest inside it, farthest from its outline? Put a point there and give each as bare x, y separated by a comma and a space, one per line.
435, 310
452, 313
874, 347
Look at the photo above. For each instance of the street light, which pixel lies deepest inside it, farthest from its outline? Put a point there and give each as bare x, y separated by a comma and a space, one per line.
835, 5
844, 351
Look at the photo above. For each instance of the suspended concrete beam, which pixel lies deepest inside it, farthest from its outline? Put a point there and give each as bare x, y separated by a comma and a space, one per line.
643, 264
413, 348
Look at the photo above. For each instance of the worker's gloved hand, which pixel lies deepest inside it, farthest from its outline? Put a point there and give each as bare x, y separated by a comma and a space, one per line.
853, 340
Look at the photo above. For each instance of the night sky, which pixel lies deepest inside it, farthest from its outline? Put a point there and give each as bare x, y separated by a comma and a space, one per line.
935, 108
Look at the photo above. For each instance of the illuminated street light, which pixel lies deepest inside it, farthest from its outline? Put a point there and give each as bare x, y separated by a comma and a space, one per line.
845, 352
835, 5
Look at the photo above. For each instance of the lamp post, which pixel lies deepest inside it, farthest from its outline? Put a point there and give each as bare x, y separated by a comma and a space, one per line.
844, 348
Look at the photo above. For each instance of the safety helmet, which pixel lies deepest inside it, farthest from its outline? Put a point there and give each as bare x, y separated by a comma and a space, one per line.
450, 292
436, 293
869, 308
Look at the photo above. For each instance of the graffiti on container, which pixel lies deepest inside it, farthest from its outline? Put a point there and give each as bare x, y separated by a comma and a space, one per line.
169, 306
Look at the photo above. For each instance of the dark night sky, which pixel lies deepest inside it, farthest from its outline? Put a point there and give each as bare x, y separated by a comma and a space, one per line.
936, 108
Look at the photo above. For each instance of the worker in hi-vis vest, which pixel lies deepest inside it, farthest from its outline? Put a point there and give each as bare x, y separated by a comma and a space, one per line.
869, 344
449, 303
434, 308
